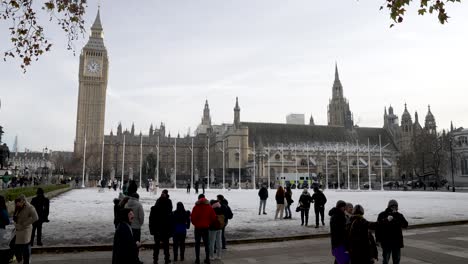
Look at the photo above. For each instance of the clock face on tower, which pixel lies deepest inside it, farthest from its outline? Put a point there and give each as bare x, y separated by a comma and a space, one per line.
93, 67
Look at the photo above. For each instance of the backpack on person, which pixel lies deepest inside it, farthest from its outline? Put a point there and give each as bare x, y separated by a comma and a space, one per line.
219, 223
228, 213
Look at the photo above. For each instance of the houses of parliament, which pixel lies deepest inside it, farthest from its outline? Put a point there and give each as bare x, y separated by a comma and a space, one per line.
341, 151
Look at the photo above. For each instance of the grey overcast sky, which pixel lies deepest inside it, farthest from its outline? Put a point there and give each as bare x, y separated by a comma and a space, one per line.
278, 57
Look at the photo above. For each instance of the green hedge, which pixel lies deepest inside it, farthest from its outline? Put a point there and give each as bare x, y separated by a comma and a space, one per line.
12, 193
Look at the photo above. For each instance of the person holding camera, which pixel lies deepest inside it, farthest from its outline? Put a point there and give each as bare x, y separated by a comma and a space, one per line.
389, 232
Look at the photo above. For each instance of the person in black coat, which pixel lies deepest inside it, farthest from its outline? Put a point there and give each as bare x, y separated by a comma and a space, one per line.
304, 205
338, 232
181, 218
360, 247
228, 213
263, 194
319, 200
160, 225
389, 232
125, 249
41, 204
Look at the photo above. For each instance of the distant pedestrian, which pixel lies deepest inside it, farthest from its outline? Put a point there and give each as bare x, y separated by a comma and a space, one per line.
188, 186
216, 230
263, 194
289, 201
160, 225
181, 219
360, 246
348, 212
202, 217
138, 213
25, 215
116, 212
319, 200
338, 233
304, 206
203, 186
41, 204
196, 187
124, 248
227, 213
279, 197
389, 232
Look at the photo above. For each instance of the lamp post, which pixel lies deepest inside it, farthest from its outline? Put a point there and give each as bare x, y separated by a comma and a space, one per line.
451, 163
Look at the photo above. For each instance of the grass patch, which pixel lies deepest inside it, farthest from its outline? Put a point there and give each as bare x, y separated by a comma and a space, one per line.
13, 193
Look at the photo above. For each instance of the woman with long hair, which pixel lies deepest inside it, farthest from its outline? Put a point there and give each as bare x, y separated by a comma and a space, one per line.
279, 197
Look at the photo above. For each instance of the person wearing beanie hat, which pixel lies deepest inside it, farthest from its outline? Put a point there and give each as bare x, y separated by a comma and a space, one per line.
319, 200
41, 204
304, 206
389, 232
338, 232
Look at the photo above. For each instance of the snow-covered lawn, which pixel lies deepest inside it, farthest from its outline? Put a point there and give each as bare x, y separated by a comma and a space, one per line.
85, 216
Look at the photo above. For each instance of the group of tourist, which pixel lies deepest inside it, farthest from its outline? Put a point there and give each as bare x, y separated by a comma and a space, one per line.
27, 219
283, 198
209, 218
352, 240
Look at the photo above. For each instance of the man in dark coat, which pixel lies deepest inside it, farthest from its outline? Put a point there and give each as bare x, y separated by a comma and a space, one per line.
41, 204
125, 249
263, 194
227, 212
338, 232
389, 232
160, 225
319, 200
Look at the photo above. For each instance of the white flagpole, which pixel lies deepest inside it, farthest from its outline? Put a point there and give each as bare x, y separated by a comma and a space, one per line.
347, 161
102, 159
141, 156
326, 168
175, 163
308, 165
224, 167
254, 166
239, 164
338, 169
282, 163
84, 162
357, 163
381, 164
268, 155
208, 163
191, 167
369, 164
295, 162
123, 162
157, 163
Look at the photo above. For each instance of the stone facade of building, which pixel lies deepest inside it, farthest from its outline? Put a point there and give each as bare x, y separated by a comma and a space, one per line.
93, 76
245, 151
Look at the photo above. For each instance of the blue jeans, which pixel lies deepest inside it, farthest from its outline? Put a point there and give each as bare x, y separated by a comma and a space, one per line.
395, 252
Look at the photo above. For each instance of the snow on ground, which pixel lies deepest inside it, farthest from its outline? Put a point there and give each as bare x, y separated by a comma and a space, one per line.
85, 216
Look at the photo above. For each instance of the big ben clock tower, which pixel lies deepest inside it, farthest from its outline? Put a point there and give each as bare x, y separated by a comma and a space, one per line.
93, 75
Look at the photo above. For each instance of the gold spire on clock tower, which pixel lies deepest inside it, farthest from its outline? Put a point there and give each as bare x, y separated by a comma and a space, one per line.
93, 76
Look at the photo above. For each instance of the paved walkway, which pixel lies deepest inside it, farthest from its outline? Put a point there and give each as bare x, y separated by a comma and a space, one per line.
438, 245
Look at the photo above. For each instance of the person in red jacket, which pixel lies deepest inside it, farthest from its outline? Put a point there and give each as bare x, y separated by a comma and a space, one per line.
203, 216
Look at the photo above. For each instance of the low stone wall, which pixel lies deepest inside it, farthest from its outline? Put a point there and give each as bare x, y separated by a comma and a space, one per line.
50, 195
